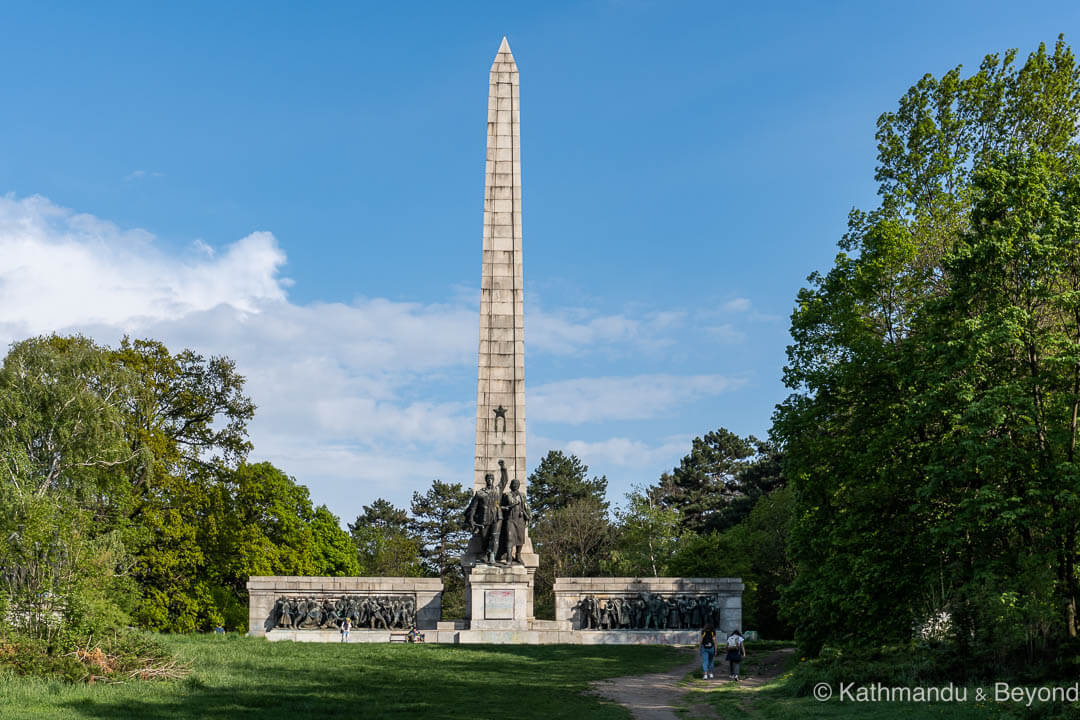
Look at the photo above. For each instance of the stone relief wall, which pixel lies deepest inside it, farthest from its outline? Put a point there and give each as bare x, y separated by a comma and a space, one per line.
304, 605
648, 603
388, 612
647, 611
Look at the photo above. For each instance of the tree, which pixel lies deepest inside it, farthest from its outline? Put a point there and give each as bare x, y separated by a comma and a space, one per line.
187, 409
384, 543
226, 526
438, 520
755, 550
57, 574
125, 492
384, 515
332, 549
931, 374
1003, 360
186, 422
61, 419
62, 560
717, 483
647, 536
439, 523
560, 480
572, 541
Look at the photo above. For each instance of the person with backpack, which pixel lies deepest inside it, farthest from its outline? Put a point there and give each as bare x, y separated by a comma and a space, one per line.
736, 651
708, 651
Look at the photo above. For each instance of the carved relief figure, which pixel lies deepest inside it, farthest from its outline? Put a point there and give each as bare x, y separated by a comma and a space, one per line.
375, 611
649, 611
587, 606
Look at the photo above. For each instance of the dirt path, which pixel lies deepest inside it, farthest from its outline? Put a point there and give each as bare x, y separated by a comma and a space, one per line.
649, 697
656, 696
769, 668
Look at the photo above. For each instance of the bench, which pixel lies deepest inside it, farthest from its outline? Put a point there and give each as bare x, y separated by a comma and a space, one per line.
401, 637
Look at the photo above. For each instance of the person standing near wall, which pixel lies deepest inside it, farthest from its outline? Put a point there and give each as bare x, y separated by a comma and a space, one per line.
708, 651
346, 626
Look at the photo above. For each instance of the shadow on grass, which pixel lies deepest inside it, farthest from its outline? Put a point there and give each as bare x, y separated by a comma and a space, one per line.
250, 679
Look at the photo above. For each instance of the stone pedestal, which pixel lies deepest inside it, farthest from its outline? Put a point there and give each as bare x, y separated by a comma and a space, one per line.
499, 597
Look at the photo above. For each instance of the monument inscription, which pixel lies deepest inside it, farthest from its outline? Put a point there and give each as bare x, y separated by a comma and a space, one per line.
498, 604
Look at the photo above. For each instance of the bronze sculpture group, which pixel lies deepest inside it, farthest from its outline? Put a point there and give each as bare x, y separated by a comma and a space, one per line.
387, 612
500, 518
650, 611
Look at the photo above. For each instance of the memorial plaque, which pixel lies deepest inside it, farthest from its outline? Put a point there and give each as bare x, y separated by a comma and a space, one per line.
498, 604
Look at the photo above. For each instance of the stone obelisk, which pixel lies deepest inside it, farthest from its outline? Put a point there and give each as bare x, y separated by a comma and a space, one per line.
500, 394
500, 597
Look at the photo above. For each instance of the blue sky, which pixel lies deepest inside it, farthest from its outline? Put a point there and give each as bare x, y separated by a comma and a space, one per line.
299, 186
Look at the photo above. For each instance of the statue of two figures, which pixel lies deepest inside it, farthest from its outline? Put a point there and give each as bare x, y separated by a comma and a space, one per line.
499, 517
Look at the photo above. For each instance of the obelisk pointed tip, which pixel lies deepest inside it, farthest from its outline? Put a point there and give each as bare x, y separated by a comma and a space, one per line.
504, 55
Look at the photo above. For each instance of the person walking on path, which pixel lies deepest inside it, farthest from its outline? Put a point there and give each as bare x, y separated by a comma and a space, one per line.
346, 626
708, 651
736, 651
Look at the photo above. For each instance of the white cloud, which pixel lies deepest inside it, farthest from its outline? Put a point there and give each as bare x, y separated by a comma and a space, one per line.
328, 378
621, 398
141, 174
735, 305
348, 394
627, 453
726, 333
331, 371
350, 477
60, 269
570, 332
202, 248
665, 319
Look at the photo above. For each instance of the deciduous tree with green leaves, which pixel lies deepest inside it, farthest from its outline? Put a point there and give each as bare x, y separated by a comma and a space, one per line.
647, 536
928, 438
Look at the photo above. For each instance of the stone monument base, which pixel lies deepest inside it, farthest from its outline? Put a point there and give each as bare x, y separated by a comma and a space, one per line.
498, 597
533, 636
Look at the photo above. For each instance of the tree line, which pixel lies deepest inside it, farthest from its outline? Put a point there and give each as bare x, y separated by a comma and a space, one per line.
127, 497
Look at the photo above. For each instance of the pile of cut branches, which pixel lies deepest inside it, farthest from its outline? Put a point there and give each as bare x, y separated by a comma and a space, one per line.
124, 657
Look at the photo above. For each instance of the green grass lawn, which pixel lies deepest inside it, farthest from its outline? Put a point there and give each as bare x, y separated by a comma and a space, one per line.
246, 678
776, 700
241, 678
